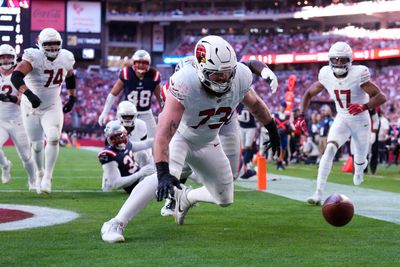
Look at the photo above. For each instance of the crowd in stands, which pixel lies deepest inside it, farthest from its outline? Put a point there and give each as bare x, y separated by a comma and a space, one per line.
185, 47
206, 8
287, 43
95, 85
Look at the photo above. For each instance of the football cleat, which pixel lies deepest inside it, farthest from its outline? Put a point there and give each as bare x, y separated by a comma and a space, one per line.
112, 231
169, 207
39, 177
358, 179
314, 199
31, 187
249, 173
45, 185
182, 205
6, 173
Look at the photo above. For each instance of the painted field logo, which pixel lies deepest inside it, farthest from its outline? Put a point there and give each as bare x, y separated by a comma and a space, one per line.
16, 217
8, 215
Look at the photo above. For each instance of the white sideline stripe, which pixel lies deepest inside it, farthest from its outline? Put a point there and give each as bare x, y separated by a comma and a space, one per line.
42, 216
55, 191
367, 202
60, 177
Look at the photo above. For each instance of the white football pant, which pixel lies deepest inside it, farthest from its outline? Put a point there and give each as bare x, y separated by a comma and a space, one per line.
16, 131
148, 118
40, 124
359, 129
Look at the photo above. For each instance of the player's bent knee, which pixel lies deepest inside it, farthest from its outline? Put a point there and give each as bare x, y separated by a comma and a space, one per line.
37, 146
330, 150
53, 136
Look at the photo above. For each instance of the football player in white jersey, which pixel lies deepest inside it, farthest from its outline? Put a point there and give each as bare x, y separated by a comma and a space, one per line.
229, 133
11, 119
354, 93
137, 129
200, 99
39, 77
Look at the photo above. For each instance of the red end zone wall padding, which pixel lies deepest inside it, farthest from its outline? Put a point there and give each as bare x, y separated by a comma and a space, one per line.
81, 142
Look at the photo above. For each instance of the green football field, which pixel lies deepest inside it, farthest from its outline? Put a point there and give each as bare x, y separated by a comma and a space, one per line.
259, 229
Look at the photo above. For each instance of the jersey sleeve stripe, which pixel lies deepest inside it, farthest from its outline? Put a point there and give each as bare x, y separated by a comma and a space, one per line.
164, 91
125, 73
157, 76
109, 152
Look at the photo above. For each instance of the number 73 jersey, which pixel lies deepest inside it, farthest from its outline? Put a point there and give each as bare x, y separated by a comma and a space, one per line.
204, 114
46, 76
347, 90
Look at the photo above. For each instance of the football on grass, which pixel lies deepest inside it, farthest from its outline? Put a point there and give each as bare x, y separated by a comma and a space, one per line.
338, 210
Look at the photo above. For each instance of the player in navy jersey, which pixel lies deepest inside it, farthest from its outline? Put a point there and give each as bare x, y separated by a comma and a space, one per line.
122, 167
137, 84
248, 129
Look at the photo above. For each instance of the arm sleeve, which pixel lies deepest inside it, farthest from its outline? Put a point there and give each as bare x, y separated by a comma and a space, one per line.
108, 104
141, 145
113, 178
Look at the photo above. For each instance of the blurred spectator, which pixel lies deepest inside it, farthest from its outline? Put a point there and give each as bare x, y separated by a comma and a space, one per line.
324, 126
311, 151
383, 137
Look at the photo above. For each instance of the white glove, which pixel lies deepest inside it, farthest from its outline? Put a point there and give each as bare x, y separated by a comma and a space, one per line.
147, 170
102, 119
268, 75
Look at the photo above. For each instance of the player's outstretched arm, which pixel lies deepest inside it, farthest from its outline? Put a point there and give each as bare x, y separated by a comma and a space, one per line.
70, 83
260, 111
112, 176
263, 71
300, 122
112, 96
17, 79
312, 91
168, 122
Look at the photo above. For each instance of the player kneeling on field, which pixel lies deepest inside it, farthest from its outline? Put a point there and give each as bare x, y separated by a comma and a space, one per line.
122, 168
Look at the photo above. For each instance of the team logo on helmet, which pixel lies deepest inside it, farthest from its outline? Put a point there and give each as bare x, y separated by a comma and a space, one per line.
201, 54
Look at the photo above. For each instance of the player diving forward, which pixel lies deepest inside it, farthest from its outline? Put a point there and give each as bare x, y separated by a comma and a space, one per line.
216, 84
11, 119
229, 133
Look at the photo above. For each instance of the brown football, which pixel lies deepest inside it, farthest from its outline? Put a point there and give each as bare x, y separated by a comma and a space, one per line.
338, 210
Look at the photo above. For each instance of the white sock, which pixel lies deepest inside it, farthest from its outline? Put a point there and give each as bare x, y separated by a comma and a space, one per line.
360, 163
29, 166
38, 155
3, 159
200, 194
325, 166
51, 154
140, 196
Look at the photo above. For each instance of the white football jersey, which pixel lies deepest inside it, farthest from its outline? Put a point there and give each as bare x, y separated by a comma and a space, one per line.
140, 131
205, 114
46, 76
8, 110
347, 90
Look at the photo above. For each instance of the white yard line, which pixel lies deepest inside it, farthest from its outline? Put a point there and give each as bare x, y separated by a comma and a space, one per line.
371, 203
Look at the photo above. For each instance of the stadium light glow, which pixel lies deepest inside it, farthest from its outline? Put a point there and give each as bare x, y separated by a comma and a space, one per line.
367, 7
